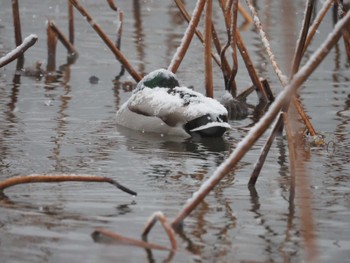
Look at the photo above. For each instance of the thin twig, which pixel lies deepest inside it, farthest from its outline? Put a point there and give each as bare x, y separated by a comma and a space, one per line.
254, 134
233, 29
55, 178
223, 63
298, 54
250, 67
112, 5
71, 22
244, 52
244, 13
18, 51
159, 216
16, 22
188, 35
207, 50
320, 15
283, 79
259, 164
68, 45
96, 235
51, 49
120, 57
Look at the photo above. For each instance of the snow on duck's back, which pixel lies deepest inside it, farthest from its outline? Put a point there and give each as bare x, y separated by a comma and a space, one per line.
159, 104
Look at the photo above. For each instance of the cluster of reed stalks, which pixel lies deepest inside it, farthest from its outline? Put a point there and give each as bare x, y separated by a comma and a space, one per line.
279, 116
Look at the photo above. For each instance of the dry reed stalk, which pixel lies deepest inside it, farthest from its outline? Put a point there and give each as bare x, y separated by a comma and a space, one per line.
233, 29
244, 52
71, 22
223, 64
245, 14
55, 178
298, 54
159, 216
281, 77
188, 35
313, 28
207, 50
16, 22
250, 66
112, 5
346, 32
260, 127
67, 44
126, 240
51, 49
18, 51
261, 160
119, 56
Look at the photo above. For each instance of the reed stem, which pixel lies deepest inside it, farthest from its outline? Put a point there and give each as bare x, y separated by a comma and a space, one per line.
260, 127
55, 178
207, 50
188, 35
120, 57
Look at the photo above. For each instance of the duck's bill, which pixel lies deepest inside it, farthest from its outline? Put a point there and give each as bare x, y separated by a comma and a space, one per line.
212, 129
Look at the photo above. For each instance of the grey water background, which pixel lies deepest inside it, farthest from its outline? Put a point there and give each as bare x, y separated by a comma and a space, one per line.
67, 125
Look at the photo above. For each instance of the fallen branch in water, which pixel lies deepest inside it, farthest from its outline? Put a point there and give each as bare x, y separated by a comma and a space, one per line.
56, 178
99, 234
18, 51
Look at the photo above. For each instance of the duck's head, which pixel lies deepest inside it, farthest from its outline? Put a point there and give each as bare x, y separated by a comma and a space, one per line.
160, 78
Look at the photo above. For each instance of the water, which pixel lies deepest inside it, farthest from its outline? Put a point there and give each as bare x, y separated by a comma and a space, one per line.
68, 126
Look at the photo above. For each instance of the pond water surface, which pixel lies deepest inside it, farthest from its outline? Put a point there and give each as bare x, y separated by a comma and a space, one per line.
67, 125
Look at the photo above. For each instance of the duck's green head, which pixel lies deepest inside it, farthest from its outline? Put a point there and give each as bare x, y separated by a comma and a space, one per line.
160, 78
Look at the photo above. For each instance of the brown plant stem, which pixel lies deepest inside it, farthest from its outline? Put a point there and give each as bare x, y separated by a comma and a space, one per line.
55, 178
261, 160
18, 32
120, 57
254, 134
51, 49
16, 22
18, 51
126, 240
250, 67
188, 35
346, 32
67, 44
233, 29
112, 5
207, 50
313, 28
244, 52
223, 64
298, 54
281, 77
244, 13
71, 22
159, 216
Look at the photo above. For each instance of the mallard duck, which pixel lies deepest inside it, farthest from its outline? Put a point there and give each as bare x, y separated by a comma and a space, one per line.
159, 104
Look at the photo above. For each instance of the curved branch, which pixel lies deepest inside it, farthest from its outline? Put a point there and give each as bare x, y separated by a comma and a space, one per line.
55, 178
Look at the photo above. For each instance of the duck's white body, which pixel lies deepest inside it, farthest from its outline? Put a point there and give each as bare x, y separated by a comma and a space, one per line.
160, 105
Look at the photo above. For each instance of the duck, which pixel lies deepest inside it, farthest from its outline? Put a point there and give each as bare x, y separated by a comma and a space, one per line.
159, 104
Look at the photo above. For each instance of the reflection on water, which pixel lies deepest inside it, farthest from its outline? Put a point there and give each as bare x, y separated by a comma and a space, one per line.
59, 122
